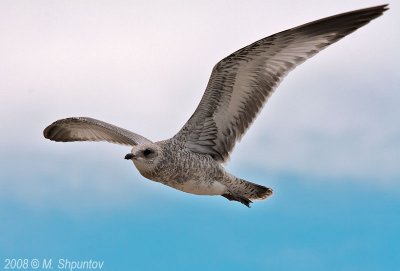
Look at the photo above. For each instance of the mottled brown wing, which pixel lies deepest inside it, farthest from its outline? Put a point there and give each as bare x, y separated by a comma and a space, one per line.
88, 129
241, 83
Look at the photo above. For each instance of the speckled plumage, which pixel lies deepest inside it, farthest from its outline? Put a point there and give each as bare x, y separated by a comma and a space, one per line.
197, 173
239, 86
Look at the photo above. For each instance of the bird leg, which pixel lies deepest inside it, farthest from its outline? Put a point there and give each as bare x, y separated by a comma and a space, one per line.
238, 198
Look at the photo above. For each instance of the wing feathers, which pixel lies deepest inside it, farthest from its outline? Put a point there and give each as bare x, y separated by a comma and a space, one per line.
241, 83
88, 129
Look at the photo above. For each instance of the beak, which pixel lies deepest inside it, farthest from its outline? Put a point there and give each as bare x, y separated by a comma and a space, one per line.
129, 156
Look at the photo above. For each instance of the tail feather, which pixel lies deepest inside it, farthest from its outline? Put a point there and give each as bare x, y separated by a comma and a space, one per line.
251, 190
245, 191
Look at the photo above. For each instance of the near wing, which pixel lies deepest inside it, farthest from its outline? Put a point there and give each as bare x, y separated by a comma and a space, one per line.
241, 83
88, 129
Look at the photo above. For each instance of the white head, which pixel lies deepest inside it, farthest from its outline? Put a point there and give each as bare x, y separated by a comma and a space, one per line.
144, 156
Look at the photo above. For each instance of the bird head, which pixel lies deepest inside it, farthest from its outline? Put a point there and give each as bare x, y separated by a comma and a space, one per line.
144, 156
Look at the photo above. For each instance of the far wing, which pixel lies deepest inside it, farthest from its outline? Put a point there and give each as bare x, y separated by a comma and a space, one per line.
88, 129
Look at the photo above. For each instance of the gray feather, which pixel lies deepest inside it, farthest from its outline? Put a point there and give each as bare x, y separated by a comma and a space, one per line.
241, 83
88, 129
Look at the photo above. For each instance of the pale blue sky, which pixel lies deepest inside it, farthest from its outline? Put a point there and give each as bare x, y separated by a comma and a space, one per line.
327, 142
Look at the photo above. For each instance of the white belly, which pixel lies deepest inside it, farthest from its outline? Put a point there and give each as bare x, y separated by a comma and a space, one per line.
202, 188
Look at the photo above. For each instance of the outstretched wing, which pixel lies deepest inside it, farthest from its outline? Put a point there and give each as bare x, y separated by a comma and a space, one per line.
241, 83
88, 129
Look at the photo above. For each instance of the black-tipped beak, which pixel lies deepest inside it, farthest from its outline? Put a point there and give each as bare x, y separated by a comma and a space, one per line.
129, 156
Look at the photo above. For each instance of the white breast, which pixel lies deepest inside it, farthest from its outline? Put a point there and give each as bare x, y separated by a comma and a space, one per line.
202, 187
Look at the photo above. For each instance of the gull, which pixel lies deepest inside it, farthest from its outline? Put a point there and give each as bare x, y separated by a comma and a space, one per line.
240, 84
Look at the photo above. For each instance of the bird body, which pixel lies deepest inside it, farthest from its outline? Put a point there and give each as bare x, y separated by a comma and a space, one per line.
177, 167
239, 86
191, 172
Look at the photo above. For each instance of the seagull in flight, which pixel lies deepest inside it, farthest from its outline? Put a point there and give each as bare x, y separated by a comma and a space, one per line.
240, 84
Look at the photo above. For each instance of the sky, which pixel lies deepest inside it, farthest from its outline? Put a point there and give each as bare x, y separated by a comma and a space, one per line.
327, 142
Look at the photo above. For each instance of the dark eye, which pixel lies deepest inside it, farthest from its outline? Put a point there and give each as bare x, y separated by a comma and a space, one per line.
146, 152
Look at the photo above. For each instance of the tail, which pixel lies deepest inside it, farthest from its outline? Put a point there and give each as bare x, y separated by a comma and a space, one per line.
244, 191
